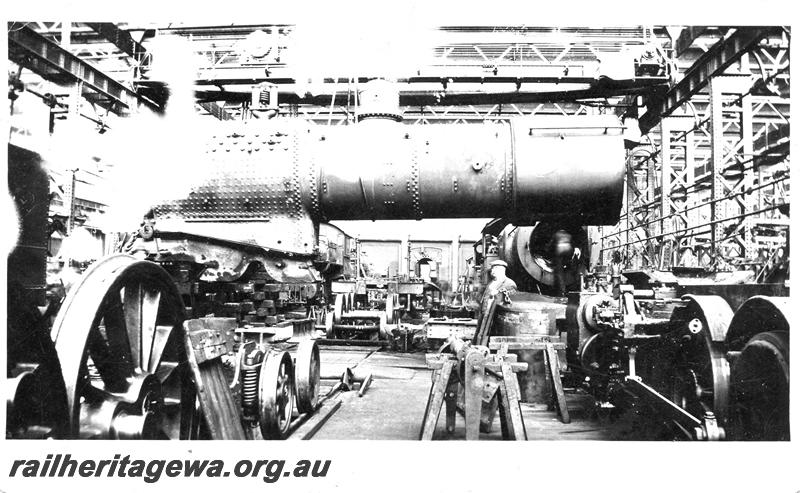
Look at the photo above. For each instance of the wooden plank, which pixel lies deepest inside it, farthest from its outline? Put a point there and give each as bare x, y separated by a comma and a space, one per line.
558, 388
495, 366
473, 393
518, 346
435, 401
365, 383
434, 378
504, 407
496, 342
482, 334
450, 407
316, 421
490, 401
516, 425
352, 343
220, 412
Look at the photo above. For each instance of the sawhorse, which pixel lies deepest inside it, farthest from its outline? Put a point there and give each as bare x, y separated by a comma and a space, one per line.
465, 373
551, 347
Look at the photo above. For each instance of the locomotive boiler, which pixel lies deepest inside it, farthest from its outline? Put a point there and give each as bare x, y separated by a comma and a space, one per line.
266, 188
269, 184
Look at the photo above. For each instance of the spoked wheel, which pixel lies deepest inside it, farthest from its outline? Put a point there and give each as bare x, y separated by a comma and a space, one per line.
307, 370
699, 371
276, 395
760, 381
120, 340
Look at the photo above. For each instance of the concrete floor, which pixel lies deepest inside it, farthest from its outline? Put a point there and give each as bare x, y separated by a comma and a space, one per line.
393, 406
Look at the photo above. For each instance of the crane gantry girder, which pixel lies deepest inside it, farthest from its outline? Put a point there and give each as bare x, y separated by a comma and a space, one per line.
52, 62
715, 61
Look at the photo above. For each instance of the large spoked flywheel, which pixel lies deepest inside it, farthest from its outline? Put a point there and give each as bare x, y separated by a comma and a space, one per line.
698, 369
120, 340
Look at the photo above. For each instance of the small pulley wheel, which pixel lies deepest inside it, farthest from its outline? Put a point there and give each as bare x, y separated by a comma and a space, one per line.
306, 371
276, 395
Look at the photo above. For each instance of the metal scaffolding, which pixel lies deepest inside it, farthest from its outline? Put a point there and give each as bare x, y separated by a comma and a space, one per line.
710, 190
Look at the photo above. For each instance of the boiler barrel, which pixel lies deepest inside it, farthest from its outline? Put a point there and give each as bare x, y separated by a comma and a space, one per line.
527, 170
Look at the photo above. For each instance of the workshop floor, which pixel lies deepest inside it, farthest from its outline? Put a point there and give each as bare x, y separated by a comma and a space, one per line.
393, 406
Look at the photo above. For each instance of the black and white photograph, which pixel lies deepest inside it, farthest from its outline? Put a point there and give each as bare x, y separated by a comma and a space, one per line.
374, 233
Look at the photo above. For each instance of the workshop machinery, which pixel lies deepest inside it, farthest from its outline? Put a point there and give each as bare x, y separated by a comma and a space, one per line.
702, 359
709, 371
240, 253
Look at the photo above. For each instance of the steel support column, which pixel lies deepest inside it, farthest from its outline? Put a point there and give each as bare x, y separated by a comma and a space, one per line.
717, 158
666, 172
675, 171
652, 229
746, 124
691, 197
724, 153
